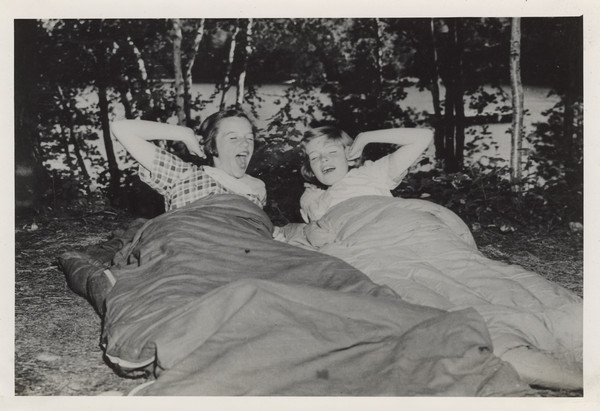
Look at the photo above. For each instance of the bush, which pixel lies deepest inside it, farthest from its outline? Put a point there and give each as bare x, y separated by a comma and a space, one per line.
558, 145
484, 195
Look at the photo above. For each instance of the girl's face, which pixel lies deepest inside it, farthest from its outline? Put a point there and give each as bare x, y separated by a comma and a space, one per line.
235, 145
327, 159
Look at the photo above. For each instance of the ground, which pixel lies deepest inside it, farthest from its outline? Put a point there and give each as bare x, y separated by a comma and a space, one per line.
57, 333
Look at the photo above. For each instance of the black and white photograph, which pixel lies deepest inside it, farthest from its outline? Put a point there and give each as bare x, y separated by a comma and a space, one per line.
351, 205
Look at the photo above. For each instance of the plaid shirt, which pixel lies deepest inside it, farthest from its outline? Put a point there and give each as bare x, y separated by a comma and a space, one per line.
182, 183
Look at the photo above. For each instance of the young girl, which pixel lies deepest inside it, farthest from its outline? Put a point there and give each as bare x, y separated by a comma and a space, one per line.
332, 160
228, 143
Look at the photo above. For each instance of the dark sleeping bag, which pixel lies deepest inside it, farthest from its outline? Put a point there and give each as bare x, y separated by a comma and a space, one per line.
214, 306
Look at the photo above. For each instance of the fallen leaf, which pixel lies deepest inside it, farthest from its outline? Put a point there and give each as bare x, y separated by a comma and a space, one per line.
46, 357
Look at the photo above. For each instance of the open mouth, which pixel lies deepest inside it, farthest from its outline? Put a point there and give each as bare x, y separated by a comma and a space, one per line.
242, 160
327, 170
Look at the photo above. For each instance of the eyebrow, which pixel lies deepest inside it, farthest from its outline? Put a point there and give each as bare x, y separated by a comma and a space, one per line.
324, 146
236, 132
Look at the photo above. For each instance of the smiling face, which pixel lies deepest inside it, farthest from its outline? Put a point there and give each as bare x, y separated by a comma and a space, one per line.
235, 145
327, 159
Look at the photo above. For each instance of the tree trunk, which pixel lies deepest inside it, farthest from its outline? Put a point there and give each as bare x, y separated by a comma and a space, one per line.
66, 118
568, 127
517, 104
179, 84
139, 59
102, 58
76, 145
68, 108
102, 85
242, 77
187, 103
379, 56
448, 156
451, 74
113, 168
459, 129
125, 93
572, 94
80, 162
64, 142
145, 102
435, 96
459, 105
226, 79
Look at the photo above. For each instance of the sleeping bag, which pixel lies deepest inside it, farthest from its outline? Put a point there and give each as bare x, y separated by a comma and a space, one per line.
427, 254
208, 302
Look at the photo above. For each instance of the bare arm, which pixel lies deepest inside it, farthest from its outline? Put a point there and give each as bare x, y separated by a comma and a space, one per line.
135, 136
412, 141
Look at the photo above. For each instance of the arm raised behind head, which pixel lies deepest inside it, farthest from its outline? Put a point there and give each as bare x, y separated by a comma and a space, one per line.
135, 136
412, 141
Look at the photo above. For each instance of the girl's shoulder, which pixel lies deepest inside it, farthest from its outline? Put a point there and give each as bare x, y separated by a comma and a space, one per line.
370, 167
364, 166
311, 186
255, 180
311, 189
311, 192
376, 171
312, 202
255, 183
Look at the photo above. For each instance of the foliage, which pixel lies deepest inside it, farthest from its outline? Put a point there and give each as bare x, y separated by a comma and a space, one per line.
481, 193
559, 159
277, 158
364, 66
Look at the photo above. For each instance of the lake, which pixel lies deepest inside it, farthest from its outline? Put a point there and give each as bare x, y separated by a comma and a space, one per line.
536, 101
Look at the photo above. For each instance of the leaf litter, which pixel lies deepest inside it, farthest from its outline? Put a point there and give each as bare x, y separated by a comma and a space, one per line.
57, 333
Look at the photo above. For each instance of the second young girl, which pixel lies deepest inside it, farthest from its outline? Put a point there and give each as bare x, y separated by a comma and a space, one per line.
332, 161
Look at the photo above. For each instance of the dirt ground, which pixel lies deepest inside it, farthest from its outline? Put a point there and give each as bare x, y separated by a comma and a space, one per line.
57, 333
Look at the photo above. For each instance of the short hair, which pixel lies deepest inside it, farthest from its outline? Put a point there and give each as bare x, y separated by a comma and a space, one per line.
210, 128
331, 133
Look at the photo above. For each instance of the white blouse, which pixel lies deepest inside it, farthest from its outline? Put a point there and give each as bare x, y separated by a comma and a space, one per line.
372, 178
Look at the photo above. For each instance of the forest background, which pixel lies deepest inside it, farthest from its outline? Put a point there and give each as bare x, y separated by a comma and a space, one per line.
74, 76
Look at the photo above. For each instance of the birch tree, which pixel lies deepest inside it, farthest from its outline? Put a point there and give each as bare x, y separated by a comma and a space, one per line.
176, 37
242, 77
123, 86
188, 69
69, 112
230, 59
101, 55
379, 55
517, 104
459, 95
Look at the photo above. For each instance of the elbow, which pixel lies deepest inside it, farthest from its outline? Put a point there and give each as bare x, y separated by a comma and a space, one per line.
427, 136
117, 123
117, 128
114, 126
